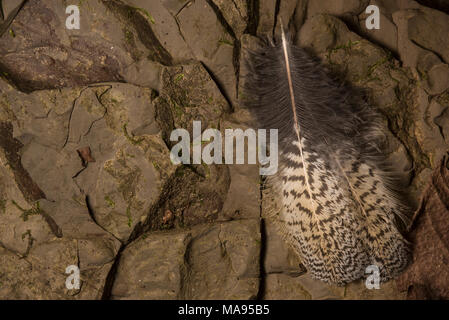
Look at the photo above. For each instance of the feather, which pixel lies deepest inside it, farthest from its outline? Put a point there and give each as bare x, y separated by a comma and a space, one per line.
339, 208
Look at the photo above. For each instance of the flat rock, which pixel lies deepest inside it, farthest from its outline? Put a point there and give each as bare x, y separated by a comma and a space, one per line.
219, 261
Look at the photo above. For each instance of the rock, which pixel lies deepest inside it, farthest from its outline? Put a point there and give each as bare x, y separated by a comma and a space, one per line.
427, 275
248, 43
11, 148
132, 161
205, 262
175, 6
144, 73
159, 27
332, 33
9, 6
27, 219
121, 190
355, 290
243, 197
189, 94
195, 195
279, 258
336, 7
235, 14
300, 15
422, 28
51, 56
441, 5
387, 34
96, 248
106, 47
434, 73
284, 287
39, 160
267, 11
215, 48
318, 290
408, 51
287, 9
387, 291
41, 274
8, 14
44, 241
118, 124
428, 135
442, 121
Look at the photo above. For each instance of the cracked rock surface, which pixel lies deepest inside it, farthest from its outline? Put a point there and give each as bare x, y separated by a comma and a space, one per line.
85, 122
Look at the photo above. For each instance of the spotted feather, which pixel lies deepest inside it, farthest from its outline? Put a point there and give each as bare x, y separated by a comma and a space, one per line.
338, 207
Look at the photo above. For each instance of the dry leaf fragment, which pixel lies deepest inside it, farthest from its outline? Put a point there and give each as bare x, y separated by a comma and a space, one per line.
85, 155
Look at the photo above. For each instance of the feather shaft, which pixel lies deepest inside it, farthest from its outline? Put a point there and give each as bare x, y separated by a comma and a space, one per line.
295, 117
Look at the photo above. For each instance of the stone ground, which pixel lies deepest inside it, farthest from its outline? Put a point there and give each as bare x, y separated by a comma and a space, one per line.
85, 118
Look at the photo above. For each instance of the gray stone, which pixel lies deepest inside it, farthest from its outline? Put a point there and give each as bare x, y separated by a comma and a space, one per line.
267, 10
235, 14
287, 9
422, 29
433, 72
189, 94
243, 196
51, 56
206, 262
162, 20
210, 43
387, 34
336, 7
45, 239
283, 287
279, 258
317, 289
387, 291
